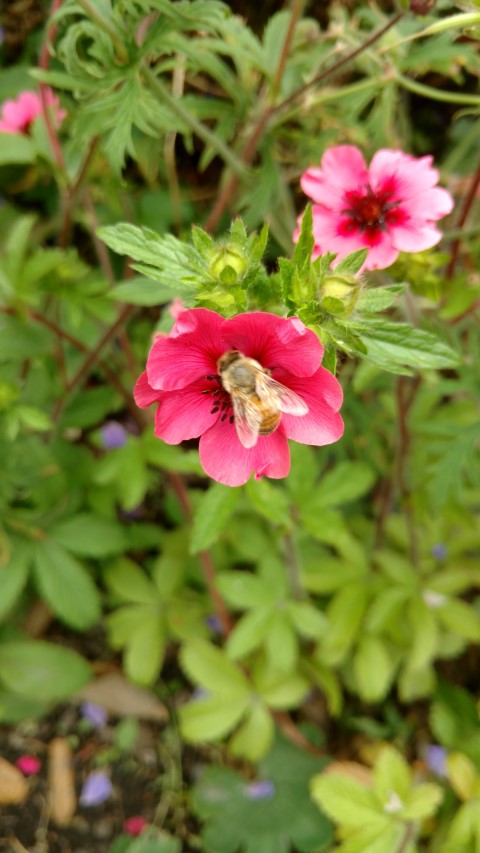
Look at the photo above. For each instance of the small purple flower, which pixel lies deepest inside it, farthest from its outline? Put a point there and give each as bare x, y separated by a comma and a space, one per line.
113, 435
214, 623
95, 714
435, 758
439, 551
96, 789
261, 790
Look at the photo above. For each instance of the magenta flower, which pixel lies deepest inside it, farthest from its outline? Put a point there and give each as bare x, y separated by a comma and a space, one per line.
17, 116
134, 825
29, 765
187, 376
388, 208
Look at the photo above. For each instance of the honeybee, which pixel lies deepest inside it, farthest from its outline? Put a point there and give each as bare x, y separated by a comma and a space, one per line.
258, 400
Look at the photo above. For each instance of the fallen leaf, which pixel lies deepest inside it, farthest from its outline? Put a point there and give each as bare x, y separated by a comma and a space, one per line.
123, 699
353, 769
13, 786
61, 782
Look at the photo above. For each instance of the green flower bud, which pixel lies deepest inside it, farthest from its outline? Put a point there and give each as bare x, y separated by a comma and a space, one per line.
339, 294
228, 264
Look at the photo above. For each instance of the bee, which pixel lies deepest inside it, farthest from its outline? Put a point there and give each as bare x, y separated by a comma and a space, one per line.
258, 400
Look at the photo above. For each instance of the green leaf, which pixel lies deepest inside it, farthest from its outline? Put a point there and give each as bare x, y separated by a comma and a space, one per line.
89, 535
255, 735
281, 642
130, 583
373, 299
15, 148
373, 668
13, 577
346, 482
248, 633
305, 243
345, 614
391, 775
424, 634
351, 263
211, 669
66, 585
282, 690
141, 291
145, 650
461, 618
270, 501
211, 717
398, 344
212, 515
347, 802
42, 671
423, 802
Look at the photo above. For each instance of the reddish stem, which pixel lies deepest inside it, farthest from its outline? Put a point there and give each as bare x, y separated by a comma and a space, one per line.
44, 61
465, 210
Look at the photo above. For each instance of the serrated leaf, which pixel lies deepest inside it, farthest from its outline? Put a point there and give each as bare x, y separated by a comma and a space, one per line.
423, 802
211, 717
66, 585
351, 263
373, 668
282, 691
373, 299
212, 515
248, 633
127, 580
305, 243
15, 148
255, 734
270, 501
88, 534
243, 590
41, 670
347, 802
141, 291
345, 614
13, 577
211, 669
391, 774
145, 650
390, 344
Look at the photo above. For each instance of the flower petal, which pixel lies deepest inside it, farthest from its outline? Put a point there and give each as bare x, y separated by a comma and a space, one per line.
323, 395
343, 168
185, 413
143, 393
275, 341
224, 459
190, 351
415, 236
406, 176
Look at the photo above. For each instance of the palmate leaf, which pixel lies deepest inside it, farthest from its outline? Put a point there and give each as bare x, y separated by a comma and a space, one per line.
283, 818
212, 516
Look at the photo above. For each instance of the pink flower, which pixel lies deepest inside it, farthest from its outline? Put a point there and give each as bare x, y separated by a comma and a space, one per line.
388, 208
134, 825
18, 115
29, 765
183, 377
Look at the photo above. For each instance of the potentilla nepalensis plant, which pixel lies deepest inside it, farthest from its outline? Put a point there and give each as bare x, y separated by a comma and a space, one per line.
387, 208
17, 115
184, 376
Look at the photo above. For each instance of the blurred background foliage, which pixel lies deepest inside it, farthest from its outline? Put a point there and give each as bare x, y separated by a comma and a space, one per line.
339, 607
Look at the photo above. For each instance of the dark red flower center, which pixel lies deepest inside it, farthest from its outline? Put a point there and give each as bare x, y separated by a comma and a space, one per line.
369, 211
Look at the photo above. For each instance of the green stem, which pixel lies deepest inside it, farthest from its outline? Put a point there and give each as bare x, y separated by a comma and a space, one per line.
197, 127
436, 94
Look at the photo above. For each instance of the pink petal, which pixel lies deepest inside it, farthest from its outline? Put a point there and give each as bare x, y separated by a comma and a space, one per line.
343, 168
189, 352
415, 236
224, 459
143, 393
435, 204
323, 395
274, 341
383, 255
6, 127
185, 413
407, 176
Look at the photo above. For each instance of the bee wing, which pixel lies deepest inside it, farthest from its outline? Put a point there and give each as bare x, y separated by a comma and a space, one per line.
247, 420
278, 397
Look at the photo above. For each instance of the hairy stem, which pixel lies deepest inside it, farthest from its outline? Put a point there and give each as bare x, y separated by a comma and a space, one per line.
178, 486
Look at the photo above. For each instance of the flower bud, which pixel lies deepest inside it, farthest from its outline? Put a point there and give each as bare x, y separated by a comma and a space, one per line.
228, 264
339, 294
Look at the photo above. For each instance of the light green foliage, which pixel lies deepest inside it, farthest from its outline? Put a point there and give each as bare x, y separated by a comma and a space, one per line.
381, 816
340, 604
